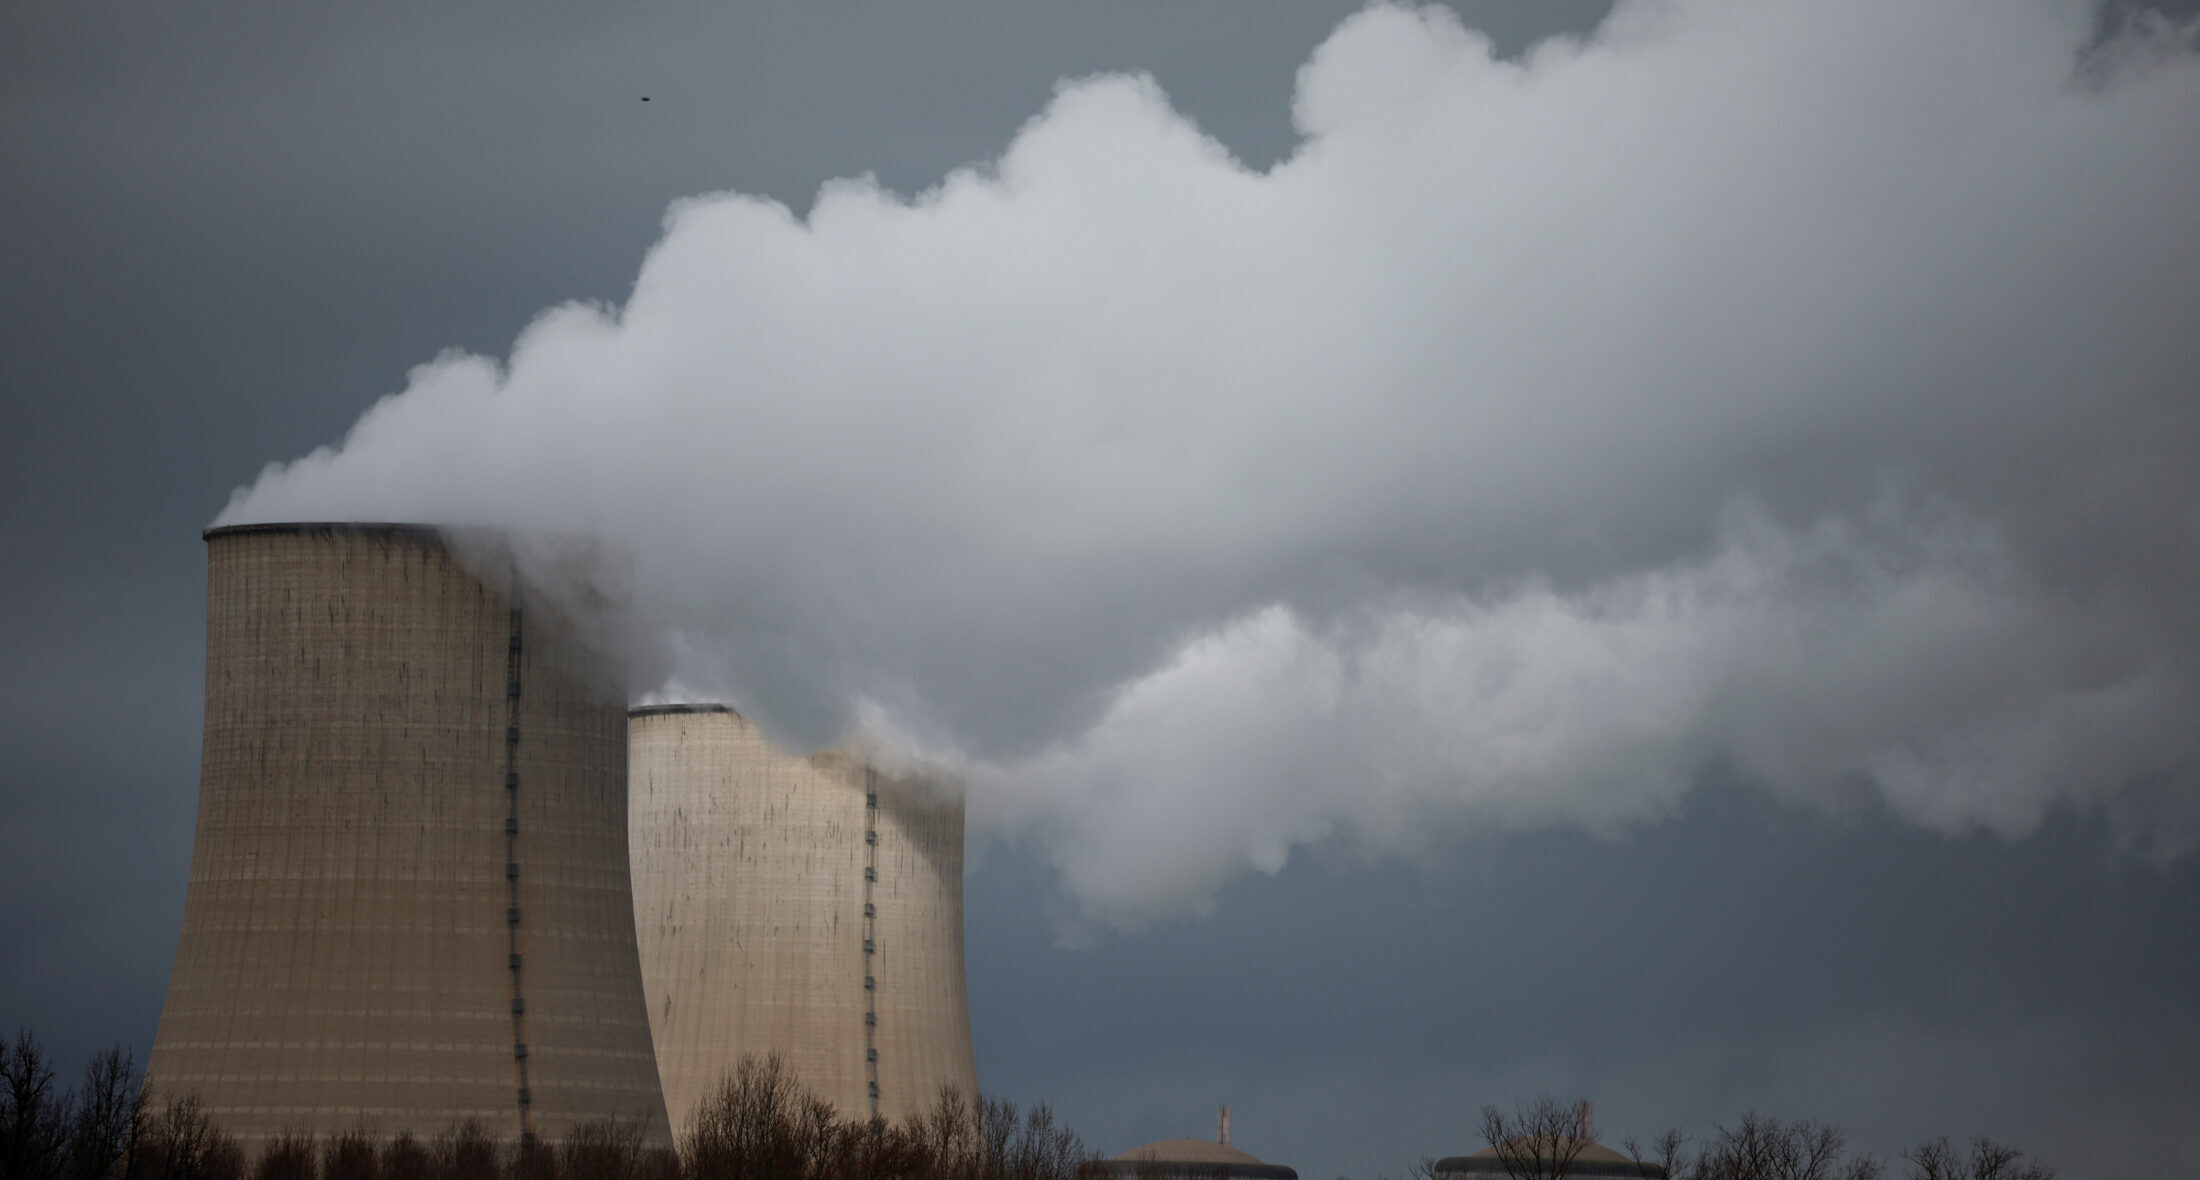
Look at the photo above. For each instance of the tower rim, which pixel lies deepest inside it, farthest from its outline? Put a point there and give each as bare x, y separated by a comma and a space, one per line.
416, 531
669, 710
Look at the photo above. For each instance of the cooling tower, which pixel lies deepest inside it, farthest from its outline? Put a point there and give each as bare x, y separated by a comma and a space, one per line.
409, 900
800, 905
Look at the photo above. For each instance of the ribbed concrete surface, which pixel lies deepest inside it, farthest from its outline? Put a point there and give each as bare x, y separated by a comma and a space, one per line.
347, 933
749, 893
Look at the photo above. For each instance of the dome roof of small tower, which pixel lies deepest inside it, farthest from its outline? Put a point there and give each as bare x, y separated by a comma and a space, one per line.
1190, 1151
1185, 1159
1590, 1159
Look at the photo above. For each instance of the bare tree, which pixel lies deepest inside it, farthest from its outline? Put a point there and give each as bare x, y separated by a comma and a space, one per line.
1987, 1160
1541, 1139
289, 1156
1662, 1153
351, 1156
601, 1149
1760, 1147
183, 1143
34, 1119
1743, 1151
1992, 1161
760, 1124
1030, 1147
1047, 1150
404, 1158
467, 1152
951, 1135
108, 1108
533, 1159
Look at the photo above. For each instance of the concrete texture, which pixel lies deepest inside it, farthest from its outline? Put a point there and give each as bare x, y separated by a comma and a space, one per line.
768, 889
409, 898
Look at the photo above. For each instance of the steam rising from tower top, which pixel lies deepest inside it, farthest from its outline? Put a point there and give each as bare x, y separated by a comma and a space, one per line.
1801, 387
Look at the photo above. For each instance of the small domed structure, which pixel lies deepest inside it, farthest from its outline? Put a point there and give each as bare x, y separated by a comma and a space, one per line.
1184, 1159
1587, 1158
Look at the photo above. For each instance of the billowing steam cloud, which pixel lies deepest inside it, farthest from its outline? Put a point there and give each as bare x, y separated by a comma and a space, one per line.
1807, 390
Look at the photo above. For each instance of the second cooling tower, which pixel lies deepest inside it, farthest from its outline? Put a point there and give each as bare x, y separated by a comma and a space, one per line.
799, 905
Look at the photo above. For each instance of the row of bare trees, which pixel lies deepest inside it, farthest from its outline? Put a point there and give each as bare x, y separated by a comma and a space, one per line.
761, 1124
1548, 1140
53, 1133
605, 1149
105, 1128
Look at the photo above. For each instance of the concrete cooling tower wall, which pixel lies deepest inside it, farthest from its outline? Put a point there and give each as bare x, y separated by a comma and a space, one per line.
409, 899
800, 905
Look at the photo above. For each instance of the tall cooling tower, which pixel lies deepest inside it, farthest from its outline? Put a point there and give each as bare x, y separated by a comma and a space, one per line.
409, 901
806, 906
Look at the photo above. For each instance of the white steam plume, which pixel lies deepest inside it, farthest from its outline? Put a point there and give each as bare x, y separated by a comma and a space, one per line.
1807, 389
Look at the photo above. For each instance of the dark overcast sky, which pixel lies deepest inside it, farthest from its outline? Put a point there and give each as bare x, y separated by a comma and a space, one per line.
230, 228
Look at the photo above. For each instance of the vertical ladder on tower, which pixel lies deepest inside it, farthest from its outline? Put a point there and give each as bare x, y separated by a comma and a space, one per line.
870, 936
511, 855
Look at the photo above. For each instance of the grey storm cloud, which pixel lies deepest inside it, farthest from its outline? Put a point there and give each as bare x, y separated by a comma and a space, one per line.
1801, 389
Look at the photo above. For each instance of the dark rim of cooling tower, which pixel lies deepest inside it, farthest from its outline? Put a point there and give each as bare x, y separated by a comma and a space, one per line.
660, 710
418, 532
